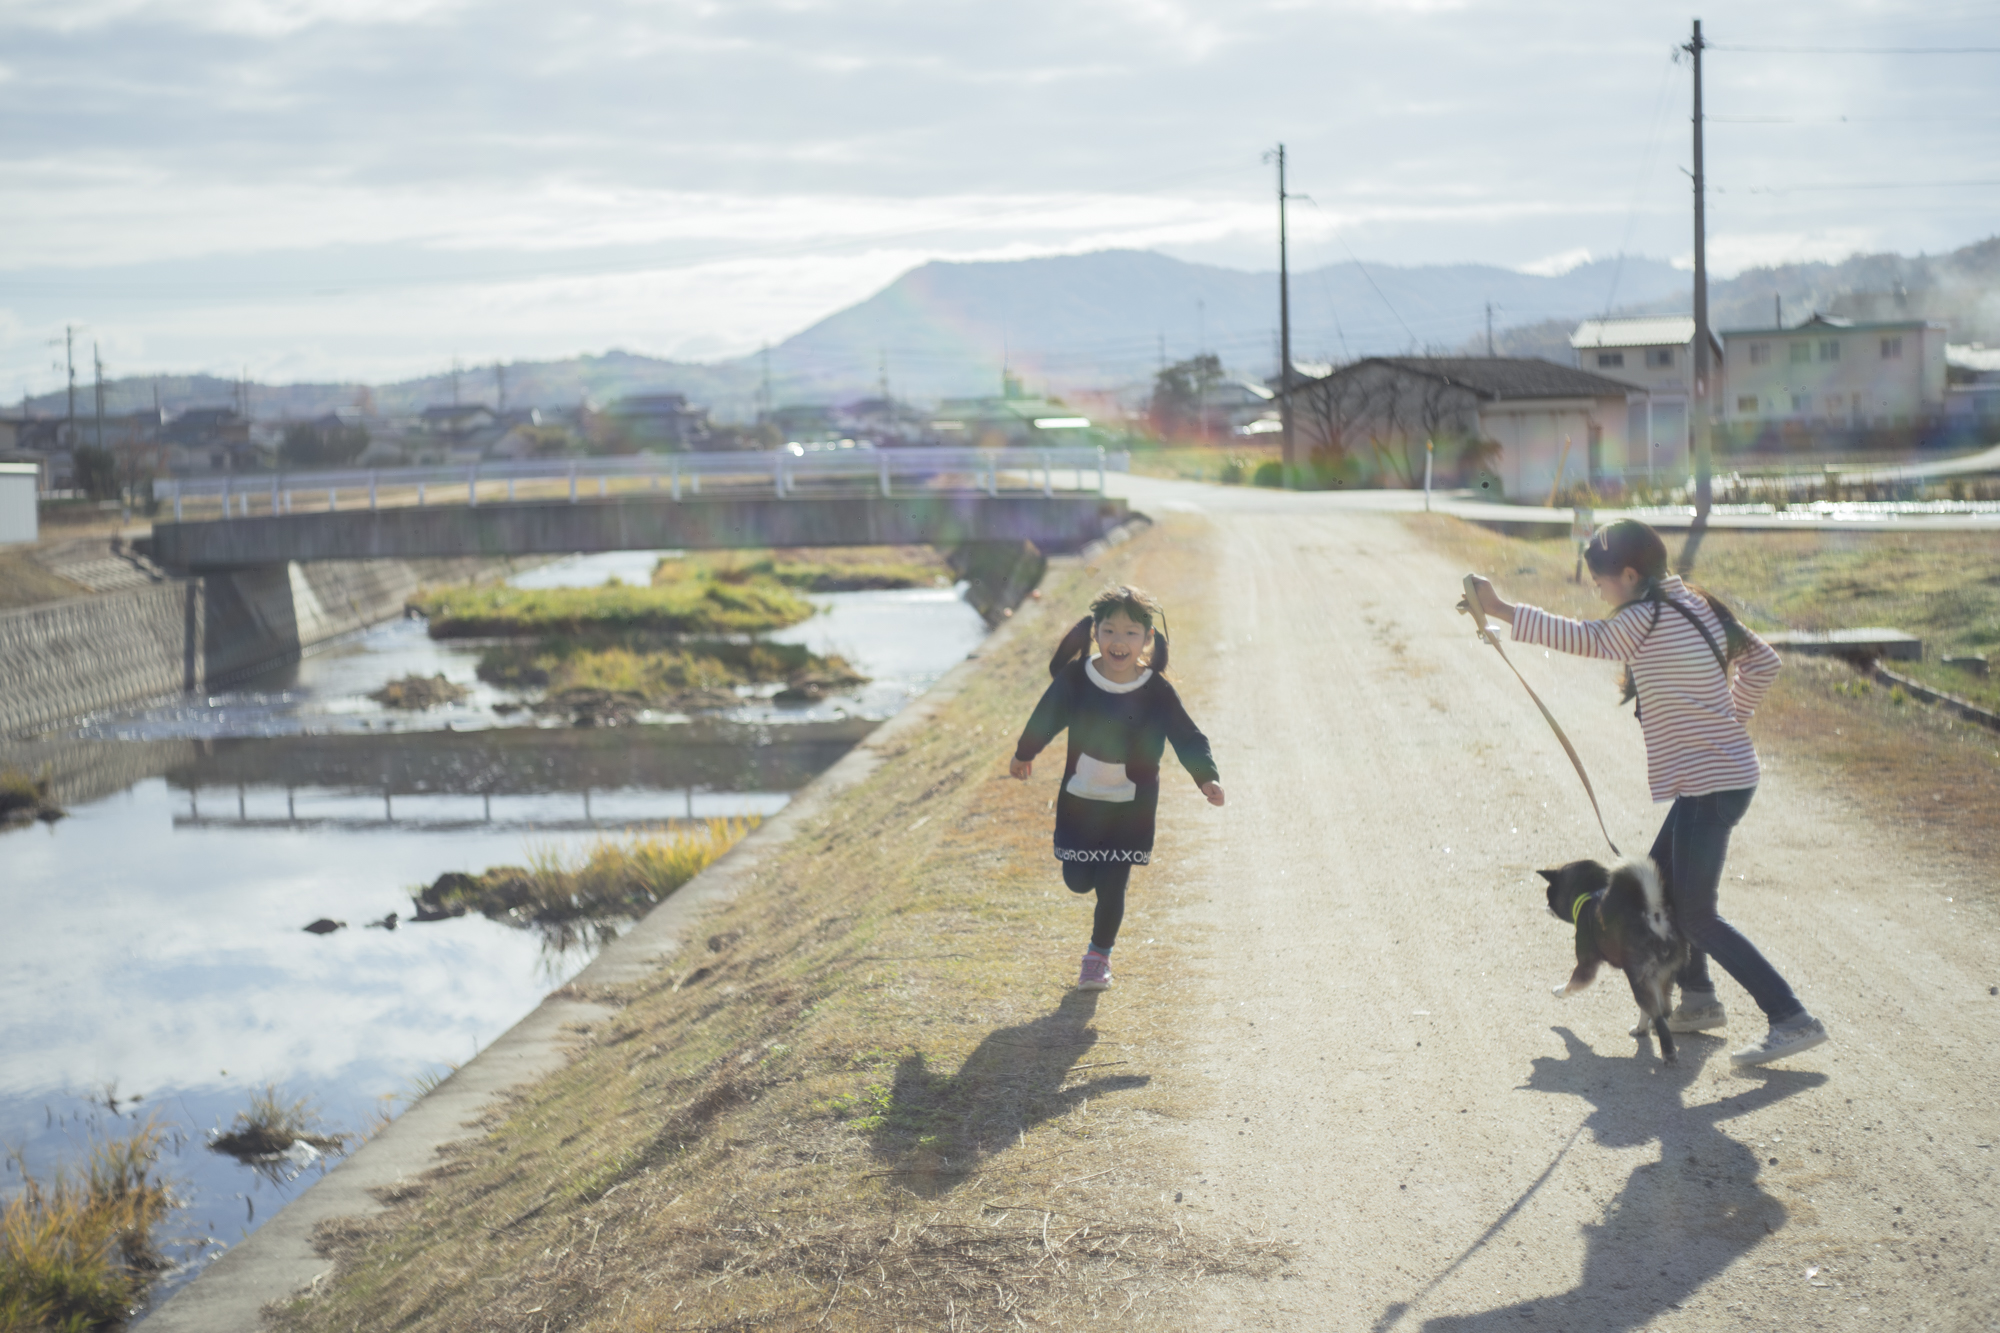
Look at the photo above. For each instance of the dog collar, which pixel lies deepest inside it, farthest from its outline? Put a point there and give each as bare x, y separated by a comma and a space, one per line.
1576, 909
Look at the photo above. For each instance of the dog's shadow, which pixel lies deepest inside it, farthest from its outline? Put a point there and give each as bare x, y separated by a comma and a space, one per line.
937, 1129
1677, 1222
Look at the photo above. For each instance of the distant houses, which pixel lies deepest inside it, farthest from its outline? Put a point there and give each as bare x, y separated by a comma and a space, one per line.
1654, 353
1014, 417
1835, 373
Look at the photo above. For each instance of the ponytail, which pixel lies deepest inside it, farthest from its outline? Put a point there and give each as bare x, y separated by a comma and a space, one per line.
1158, 660
1074, 644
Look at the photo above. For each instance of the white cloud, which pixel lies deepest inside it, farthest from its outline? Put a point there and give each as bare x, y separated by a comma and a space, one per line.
685, 175
1555, 265
261, 18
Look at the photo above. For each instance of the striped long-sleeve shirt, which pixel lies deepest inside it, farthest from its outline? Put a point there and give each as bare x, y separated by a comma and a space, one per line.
1691, 714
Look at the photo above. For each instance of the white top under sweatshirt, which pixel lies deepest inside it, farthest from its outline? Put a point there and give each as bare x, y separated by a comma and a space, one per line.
1691, 714
1095, 780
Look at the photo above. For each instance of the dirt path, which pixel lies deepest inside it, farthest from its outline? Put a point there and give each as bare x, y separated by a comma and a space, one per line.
1392, 1088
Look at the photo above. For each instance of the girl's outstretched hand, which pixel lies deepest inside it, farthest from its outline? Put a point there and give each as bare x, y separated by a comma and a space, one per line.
1213, 791
1491, 602
1020, 768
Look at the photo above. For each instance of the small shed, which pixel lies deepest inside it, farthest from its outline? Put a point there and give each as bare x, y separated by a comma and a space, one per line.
19, 520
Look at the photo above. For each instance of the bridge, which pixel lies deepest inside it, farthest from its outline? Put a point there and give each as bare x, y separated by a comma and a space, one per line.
848, 497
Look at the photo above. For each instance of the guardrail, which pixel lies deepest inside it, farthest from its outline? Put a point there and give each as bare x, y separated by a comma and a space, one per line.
783, 470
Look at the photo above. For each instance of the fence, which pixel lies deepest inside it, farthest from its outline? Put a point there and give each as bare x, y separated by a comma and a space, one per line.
782, 471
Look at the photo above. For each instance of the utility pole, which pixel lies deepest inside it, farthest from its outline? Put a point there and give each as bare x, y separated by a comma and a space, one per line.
764, 392
500, 384
69, 360
98, 362
454, 384
1290, 446
1489, 329
1777, 310
1704, 441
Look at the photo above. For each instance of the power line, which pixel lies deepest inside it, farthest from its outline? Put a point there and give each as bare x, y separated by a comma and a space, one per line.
1638, 186
1862, 50
1843, 120
1863, 185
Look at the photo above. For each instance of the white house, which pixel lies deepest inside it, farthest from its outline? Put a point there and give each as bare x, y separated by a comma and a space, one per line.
1553, 423
1654, 353
1835, 372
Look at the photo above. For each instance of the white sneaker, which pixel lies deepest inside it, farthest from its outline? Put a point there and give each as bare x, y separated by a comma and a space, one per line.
1703, 1016
1800, 1034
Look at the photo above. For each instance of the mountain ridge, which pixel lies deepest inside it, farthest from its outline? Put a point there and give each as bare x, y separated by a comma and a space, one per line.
1107, 319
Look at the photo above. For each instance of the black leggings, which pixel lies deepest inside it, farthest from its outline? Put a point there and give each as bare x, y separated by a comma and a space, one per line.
1108, 879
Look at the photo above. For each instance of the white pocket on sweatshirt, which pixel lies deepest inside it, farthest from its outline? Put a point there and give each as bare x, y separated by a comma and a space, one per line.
1095, 780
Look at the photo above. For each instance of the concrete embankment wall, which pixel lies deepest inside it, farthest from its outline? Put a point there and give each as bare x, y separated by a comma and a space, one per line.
72, 658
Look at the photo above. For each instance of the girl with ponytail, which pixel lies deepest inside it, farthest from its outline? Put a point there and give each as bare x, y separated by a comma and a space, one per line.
1121, 714
1698, 674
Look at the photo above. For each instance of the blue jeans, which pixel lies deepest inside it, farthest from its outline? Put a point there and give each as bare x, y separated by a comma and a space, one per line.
1690, 852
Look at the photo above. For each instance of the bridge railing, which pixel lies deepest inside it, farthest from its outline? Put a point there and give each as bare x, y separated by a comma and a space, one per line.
781, 472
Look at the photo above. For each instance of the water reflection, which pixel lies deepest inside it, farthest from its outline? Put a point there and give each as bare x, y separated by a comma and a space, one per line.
155, 943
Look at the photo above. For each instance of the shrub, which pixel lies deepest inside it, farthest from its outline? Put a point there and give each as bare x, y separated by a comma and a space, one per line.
1271, 473
572, 899
77, 1250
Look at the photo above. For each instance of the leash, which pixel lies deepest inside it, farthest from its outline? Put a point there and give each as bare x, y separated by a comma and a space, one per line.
1470, 605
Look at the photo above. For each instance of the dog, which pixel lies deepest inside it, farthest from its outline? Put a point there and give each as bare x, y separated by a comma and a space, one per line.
1621, 918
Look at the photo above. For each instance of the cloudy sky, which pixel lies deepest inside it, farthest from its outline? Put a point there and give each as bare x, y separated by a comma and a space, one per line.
368, 188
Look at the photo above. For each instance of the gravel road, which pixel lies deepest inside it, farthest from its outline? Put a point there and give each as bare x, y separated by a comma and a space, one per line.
1389, 1084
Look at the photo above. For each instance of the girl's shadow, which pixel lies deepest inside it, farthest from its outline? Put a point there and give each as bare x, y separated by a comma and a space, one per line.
937, 1129
1677, 1222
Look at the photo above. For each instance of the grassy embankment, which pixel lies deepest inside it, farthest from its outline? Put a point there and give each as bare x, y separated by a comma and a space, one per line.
1919, 765
604, 654
76, 1249
24, 582
866, 1096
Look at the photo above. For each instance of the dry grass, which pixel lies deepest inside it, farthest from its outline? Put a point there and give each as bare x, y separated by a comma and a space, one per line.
815, 569
419, 692
577, 897
867, 1098
1233, 463
76, 1250
278, 1138
1918, 767
662, 675
24, 798
688, 607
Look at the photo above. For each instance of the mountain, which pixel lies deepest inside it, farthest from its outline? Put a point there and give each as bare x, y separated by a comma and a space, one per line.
1108, 319
1105, 321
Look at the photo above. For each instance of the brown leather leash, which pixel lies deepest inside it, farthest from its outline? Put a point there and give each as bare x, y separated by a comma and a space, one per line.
1469, 605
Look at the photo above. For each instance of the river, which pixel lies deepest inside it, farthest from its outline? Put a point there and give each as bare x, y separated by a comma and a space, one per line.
155, 962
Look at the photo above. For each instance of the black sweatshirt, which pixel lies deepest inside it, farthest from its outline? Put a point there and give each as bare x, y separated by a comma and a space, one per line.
1111, 781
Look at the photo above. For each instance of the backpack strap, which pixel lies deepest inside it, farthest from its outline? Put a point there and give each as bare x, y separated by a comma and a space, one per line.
1721, 662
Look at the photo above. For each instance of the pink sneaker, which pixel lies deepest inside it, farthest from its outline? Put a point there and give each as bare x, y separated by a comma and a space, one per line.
1096, 973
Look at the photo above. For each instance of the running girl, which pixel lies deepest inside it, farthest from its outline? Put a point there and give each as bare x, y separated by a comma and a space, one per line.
1679, 646
1121, 712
